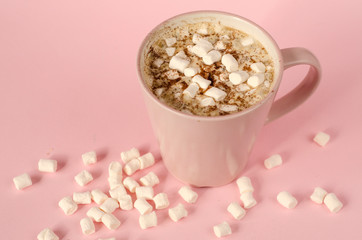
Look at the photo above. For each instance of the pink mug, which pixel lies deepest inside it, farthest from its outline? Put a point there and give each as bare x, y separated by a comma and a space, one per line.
212, 151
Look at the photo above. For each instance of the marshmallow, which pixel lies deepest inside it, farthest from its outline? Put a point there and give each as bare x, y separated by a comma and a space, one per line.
132, 166
202, 48
110, 221
244, 185
129, 155
172, 74
150, 180
247, 41
258, 67
236, 210
83, 178
187, 194
114, 181
196, 38
229, 62
318, 195
181, 54
191, 71
98, 196
203, 31
191, 90
117, 192
238, 77
243, 87
332, 202
207, 101
144, 192
110, 205
179, 63
47, 234
248, 200
211, 57
22, 181
321, 139
115, 169
256, 80
148, 220
159, 91
177, 213
161, 201
130, 184
223, 229
170, 51
146, 160
219, 45
89, 158
68, 205
228, 108
273, 161
82, 197
215, 93
158, 62
47, 165
170, 41
287, 200
202, 82
125, 202
87, 226
95, 213
142, 206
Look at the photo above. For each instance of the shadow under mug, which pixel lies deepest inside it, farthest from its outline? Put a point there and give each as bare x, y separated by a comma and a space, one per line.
212, 151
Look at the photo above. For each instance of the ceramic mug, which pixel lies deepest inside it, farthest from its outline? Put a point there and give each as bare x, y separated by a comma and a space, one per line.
212, 151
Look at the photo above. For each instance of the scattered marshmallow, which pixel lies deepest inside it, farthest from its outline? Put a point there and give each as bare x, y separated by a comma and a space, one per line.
202, 82
181, 54
127, 156
207, 101
219, 45
196, 38
258, 67
172, 74
216, 93
191, 90
142, 206
247, 41
87, 226
150, 180
146, 160
179, 63
89, 158
256, 80
318, 195
223, 229
98, 196
159, 91
287, 200
125, 202
248, 200
202, 31
130, 184
161, 201
110, 205
236, 210
117, 192
132, 166
110, 221
148, 220
177, 213
95, 213
170, 41
273, 161
228, 108
144, 192
187, 194
211, 57
47, 165
332, 202
83, 178
229, 62
22, 181
321, 139
191, 71
170, 51
115, 169
82, 197
68, 205
114, 181
158, 62
244, 185
47, 234
238, 77
202, 48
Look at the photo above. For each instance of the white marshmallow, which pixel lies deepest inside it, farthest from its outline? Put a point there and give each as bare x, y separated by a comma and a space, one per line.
117, 192
150, 180
125, 202
95, 213
179, 63
22, 181
172, 74
191, 90
191, 71
148, 220
258, 67
142, 206
170, 51
202, 48
158, 62
332, 202
87, 226
114, 181
170, 41
181, 54
215, 93
82, 197
229, 62
68, 205
287, 200
273, 161
132, 166
130, 184
238, 77
110, 221
83, 178
187, 194
247, 41
178, 212
47, 234
243, 87
161, 201
47, 165
196, 38
223, 229
159, 91
146, 160
202, 31
144, 192
89, 158
207, 101
318, 195
228, 108
110, 205
236, 210
244, 185
98, 196
256, 80
248, 200
321, 139
115, 169
219, 45
202, 82
127, 156
211, 57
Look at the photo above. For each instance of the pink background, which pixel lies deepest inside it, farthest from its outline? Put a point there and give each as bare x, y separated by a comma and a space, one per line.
68, 85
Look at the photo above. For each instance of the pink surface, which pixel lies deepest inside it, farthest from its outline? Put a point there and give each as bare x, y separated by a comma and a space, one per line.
68, 85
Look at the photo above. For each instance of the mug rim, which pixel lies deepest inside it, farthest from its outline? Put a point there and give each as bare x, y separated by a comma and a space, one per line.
145, 88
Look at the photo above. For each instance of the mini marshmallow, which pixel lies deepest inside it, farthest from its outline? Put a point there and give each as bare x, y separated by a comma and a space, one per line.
83, 178
68, 205
150, 180
244, 185
318, 195
273, 161
215, 93
248, 200
181, 54
170, 51
172, 74
202, 48
211, 57
47, 165
187, 194
125, 202
142, 206
127, 156
247, 41
202, 31
146, 160
22, 181
110, 221
89, 158
177, 213
130, 184
321, 139
191, 71
117, 192
256, 80
236, 210
132, 166
115, 169
161, 201
191, 90
110, 205
287, 200
219, 45
114, 181
98, 196
170, 41
238, 77
258, 67
148, 220
196, 38
159, 91
243, 87
223, 229
207, 101
202, 82
229, 62
95, 213
332, 202
144, 192
87, 226
179, 63
47, 234
228, 108
158, 62
82, 197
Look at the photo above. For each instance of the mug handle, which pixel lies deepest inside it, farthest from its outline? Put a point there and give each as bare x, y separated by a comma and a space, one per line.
292, 57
